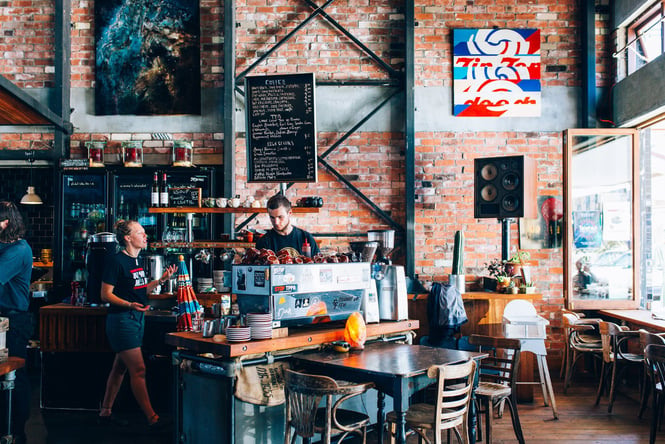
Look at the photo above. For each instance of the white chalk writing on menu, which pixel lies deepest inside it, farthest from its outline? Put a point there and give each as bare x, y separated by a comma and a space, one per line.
281, 140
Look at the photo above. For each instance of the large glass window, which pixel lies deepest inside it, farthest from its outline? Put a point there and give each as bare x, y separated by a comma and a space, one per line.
603, 216
653, 220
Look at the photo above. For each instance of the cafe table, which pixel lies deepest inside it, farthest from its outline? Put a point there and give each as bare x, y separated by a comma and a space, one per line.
397, 370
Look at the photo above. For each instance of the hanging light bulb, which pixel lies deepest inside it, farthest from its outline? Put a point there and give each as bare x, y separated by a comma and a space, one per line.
31, 198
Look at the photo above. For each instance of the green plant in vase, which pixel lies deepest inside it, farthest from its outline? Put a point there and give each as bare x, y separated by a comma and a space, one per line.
528, 288
514, 264
497, 271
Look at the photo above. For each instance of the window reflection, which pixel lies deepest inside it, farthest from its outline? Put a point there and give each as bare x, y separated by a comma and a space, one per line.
601, 222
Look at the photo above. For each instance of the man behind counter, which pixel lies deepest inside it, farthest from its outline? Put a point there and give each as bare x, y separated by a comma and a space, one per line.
283, 233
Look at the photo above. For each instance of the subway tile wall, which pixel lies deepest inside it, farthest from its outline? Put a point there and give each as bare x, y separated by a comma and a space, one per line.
38, 218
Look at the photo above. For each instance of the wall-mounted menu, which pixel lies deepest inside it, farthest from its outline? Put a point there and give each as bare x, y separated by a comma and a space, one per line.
281, 130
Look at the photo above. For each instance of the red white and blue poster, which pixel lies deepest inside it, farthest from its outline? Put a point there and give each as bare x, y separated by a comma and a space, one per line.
496, 72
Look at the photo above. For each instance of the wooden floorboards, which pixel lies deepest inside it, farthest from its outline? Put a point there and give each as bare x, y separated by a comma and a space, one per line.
580, 421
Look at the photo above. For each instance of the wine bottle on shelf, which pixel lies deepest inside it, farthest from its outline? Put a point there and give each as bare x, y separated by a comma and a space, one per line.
154, 195
164, 193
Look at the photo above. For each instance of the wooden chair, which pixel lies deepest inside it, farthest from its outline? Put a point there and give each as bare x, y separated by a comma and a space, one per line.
453, 396
591, 336
647, 338
654, 355
497, 381
583, 338
304, 394
616, 356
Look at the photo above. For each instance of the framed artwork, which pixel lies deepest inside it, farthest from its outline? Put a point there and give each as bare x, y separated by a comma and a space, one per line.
496, 72
147, 57
545, 231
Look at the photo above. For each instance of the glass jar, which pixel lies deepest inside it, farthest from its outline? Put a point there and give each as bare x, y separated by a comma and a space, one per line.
182, 153
132, 153
96, 152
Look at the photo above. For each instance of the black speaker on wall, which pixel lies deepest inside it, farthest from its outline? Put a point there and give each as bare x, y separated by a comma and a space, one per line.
504, 187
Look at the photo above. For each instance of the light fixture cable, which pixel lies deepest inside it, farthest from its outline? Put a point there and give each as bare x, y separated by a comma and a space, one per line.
31, 198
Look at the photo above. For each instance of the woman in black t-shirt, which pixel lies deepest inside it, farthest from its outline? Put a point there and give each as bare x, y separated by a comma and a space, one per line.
125, 287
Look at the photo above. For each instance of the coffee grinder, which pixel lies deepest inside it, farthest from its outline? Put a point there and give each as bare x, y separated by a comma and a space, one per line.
390, 279
364, 252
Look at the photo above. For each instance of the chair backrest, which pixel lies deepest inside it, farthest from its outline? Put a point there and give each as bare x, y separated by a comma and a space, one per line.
519, 307
503, 361
646, 338
609, 332
454, 389
654, 354
304, 393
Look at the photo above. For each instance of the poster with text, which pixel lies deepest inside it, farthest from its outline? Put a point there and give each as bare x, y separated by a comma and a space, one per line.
496, 72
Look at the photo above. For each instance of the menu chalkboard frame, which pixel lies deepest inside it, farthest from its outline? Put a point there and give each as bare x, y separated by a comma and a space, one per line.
301, 165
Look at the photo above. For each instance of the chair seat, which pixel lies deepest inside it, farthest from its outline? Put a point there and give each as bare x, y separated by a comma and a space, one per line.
589, 338
492, 390
424, 416
347, 418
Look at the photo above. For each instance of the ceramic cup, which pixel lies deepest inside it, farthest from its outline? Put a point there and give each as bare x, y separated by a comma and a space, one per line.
235, 202
221, 202
209, 202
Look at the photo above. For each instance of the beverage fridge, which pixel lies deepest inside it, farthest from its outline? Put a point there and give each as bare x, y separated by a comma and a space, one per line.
92, 200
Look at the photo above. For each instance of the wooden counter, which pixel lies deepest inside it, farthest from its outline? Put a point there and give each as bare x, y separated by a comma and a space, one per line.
298, 337
69, 328
482, 307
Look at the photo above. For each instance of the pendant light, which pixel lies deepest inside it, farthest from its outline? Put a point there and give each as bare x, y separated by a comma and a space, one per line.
31, 198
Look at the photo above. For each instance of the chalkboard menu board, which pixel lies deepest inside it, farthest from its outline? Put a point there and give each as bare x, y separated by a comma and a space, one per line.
184, 197
281, 130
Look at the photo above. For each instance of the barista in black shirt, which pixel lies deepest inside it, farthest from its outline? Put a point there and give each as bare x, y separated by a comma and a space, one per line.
283, 233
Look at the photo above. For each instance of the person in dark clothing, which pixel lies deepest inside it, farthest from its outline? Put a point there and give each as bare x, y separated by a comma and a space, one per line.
15, 272
125, 287
283, 234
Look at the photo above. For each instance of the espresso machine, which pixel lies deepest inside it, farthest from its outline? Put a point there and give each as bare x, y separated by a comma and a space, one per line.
390, 279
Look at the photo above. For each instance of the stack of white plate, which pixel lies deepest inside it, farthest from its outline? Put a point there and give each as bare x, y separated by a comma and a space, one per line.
261, 324
203, 284
238, 334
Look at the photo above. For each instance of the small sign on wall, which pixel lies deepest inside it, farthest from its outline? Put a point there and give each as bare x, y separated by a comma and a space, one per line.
496, 72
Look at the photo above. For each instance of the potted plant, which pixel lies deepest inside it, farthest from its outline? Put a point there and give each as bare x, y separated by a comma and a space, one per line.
457, 277
512, 288
515, 263
528, 288
499, 279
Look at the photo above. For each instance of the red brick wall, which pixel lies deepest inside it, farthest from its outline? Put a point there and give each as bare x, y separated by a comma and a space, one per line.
444, 158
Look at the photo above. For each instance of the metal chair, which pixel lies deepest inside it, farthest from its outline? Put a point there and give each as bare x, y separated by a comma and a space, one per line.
583, 338
498, 374
304, 394
654, 355
616, 356
453, 396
